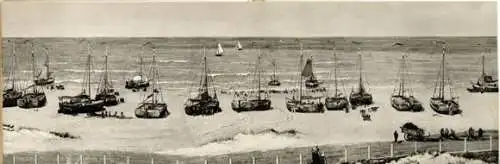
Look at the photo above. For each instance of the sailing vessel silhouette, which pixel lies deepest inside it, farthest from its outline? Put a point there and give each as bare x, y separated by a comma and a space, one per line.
311, 80
153, 105
33, 96
203, 103
48, 79
485, 83
402, 98
253, 101
140, 81
219, 51
82, 103
360, 96
307, 103
438, 102
105, 90
10, 95
274, 79
239, 47
338, 101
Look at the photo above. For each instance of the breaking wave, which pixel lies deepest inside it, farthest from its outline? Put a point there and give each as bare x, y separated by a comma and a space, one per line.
173, 61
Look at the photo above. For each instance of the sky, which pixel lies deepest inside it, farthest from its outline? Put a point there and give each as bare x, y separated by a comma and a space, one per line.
233, 19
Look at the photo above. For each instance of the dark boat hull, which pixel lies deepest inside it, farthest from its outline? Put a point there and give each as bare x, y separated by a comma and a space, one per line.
136, 85
274, 83
109, 99
336, 103
10, 98
250, 105
303, 107
218, 54
359, 99
152, 111
32, 100
312, 84
446, 107
43, 81
202, 108
406, 104
81, 107
476, 89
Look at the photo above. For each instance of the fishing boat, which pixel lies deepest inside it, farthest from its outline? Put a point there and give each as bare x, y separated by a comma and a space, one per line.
82, 103
360, 96
485, 83
304, 103
203, 103
10, 95
140, 81
105, 90
311, 80
402, 98
48, 78
32, 96
438, 102
153, 105
253, 101
338, 101
219, 51
274, 79
239, 47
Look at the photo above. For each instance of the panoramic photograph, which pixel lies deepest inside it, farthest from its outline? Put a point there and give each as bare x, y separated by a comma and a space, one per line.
238, 82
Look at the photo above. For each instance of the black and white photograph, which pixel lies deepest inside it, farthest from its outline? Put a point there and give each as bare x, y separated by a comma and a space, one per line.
249, 82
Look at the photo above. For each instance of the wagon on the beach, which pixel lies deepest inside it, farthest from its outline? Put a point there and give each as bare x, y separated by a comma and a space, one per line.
412, 132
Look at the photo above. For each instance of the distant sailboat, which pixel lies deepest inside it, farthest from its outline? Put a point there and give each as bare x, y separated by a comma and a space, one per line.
48, 79
274, 79
140, 81
153, 105
360, 96
338, 101
219, 51
82, 103
105, 91
253, 101
203, 103
402, 98
485, 83
10, 95
33, 96
304, 104
307, 72
239, 47
438, 102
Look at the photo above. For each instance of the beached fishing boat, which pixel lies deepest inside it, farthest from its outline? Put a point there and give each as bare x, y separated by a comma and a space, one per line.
82, 103
203, 103
153, 105
438, 102
140, 81
274, 79
311, 80
338, 101
402, 98
219, 51
48, 78
304, 103
253, 101
105, 90
33, 96
485, 83
360, 96
12, 92
239, 47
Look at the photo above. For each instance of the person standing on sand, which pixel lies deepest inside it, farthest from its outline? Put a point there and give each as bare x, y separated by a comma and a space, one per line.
395, 136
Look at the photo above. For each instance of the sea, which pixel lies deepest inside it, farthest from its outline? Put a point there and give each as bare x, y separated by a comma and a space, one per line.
180, 63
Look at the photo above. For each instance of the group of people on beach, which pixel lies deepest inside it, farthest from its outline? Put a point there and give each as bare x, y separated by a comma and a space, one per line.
106, 114
317, 156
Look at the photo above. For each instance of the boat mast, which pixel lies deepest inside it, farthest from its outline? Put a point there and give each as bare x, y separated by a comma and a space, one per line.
141, 62
106, 71
360, 72
33, 61
402, 88
205, 84
154, 76
300, 82
335, 71
13, 67
88, 69
441, 91
47, 63
258, 74
482, 63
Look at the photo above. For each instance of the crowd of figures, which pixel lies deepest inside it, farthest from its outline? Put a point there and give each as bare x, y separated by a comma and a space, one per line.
301, 98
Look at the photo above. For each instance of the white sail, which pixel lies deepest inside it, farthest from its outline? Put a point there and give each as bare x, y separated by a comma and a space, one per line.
239, 46
219, 49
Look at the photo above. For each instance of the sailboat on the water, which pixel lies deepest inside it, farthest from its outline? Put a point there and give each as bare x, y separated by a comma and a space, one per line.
307, 103
10, 95
153, 105
253, 101
48, 78
360, 96
311, 80
438, 102
485, 83
338, 101
203, 103
82, 103
219, 51
402, 98
274, 79
140, 81
239, 47
105, 90
33, 96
